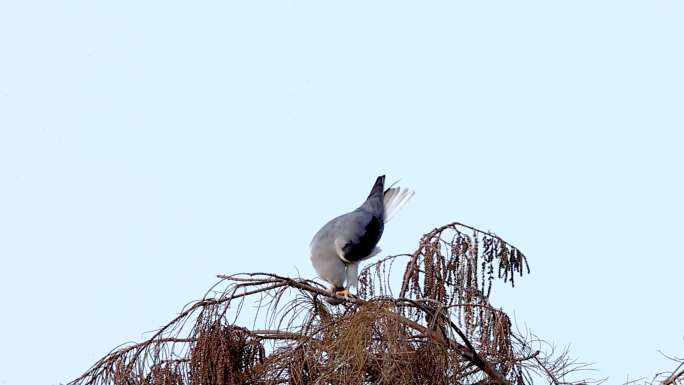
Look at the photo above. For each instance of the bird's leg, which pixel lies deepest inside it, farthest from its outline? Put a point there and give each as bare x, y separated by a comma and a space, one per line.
343, 293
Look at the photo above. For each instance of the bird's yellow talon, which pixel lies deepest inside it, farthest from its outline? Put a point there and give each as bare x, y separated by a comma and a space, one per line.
343, 293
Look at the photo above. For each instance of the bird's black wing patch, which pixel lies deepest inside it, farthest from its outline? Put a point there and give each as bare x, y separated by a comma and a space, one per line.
362, 248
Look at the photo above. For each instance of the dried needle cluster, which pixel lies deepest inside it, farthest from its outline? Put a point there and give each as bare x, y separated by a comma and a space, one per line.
439, 329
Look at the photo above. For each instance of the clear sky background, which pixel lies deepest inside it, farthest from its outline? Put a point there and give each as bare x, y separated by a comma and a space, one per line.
147, 146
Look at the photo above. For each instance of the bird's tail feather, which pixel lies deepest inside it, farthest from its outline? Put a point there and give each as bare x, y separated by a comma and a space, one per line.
395, 199
353, 275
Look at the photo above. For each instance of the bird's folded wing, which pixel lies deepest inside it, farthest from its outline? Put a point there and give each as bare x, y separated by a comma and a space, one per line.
356, 235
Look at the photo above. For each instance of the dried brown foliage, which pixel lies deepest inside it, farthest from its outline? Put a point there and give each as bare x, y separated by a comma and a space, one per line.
439, 329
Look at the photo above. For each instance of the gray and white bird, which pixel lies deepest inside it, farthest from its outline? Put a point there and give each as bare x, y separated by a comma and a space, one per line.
342, 243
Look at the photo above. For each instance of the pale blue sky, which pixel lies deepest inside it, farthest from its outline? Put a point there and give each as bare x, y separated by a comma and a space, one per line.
147, 146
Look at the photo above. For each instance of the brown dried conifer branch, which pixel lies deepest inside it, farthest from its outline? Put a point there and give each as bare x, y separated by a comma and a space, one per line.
676, 376
441, 329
